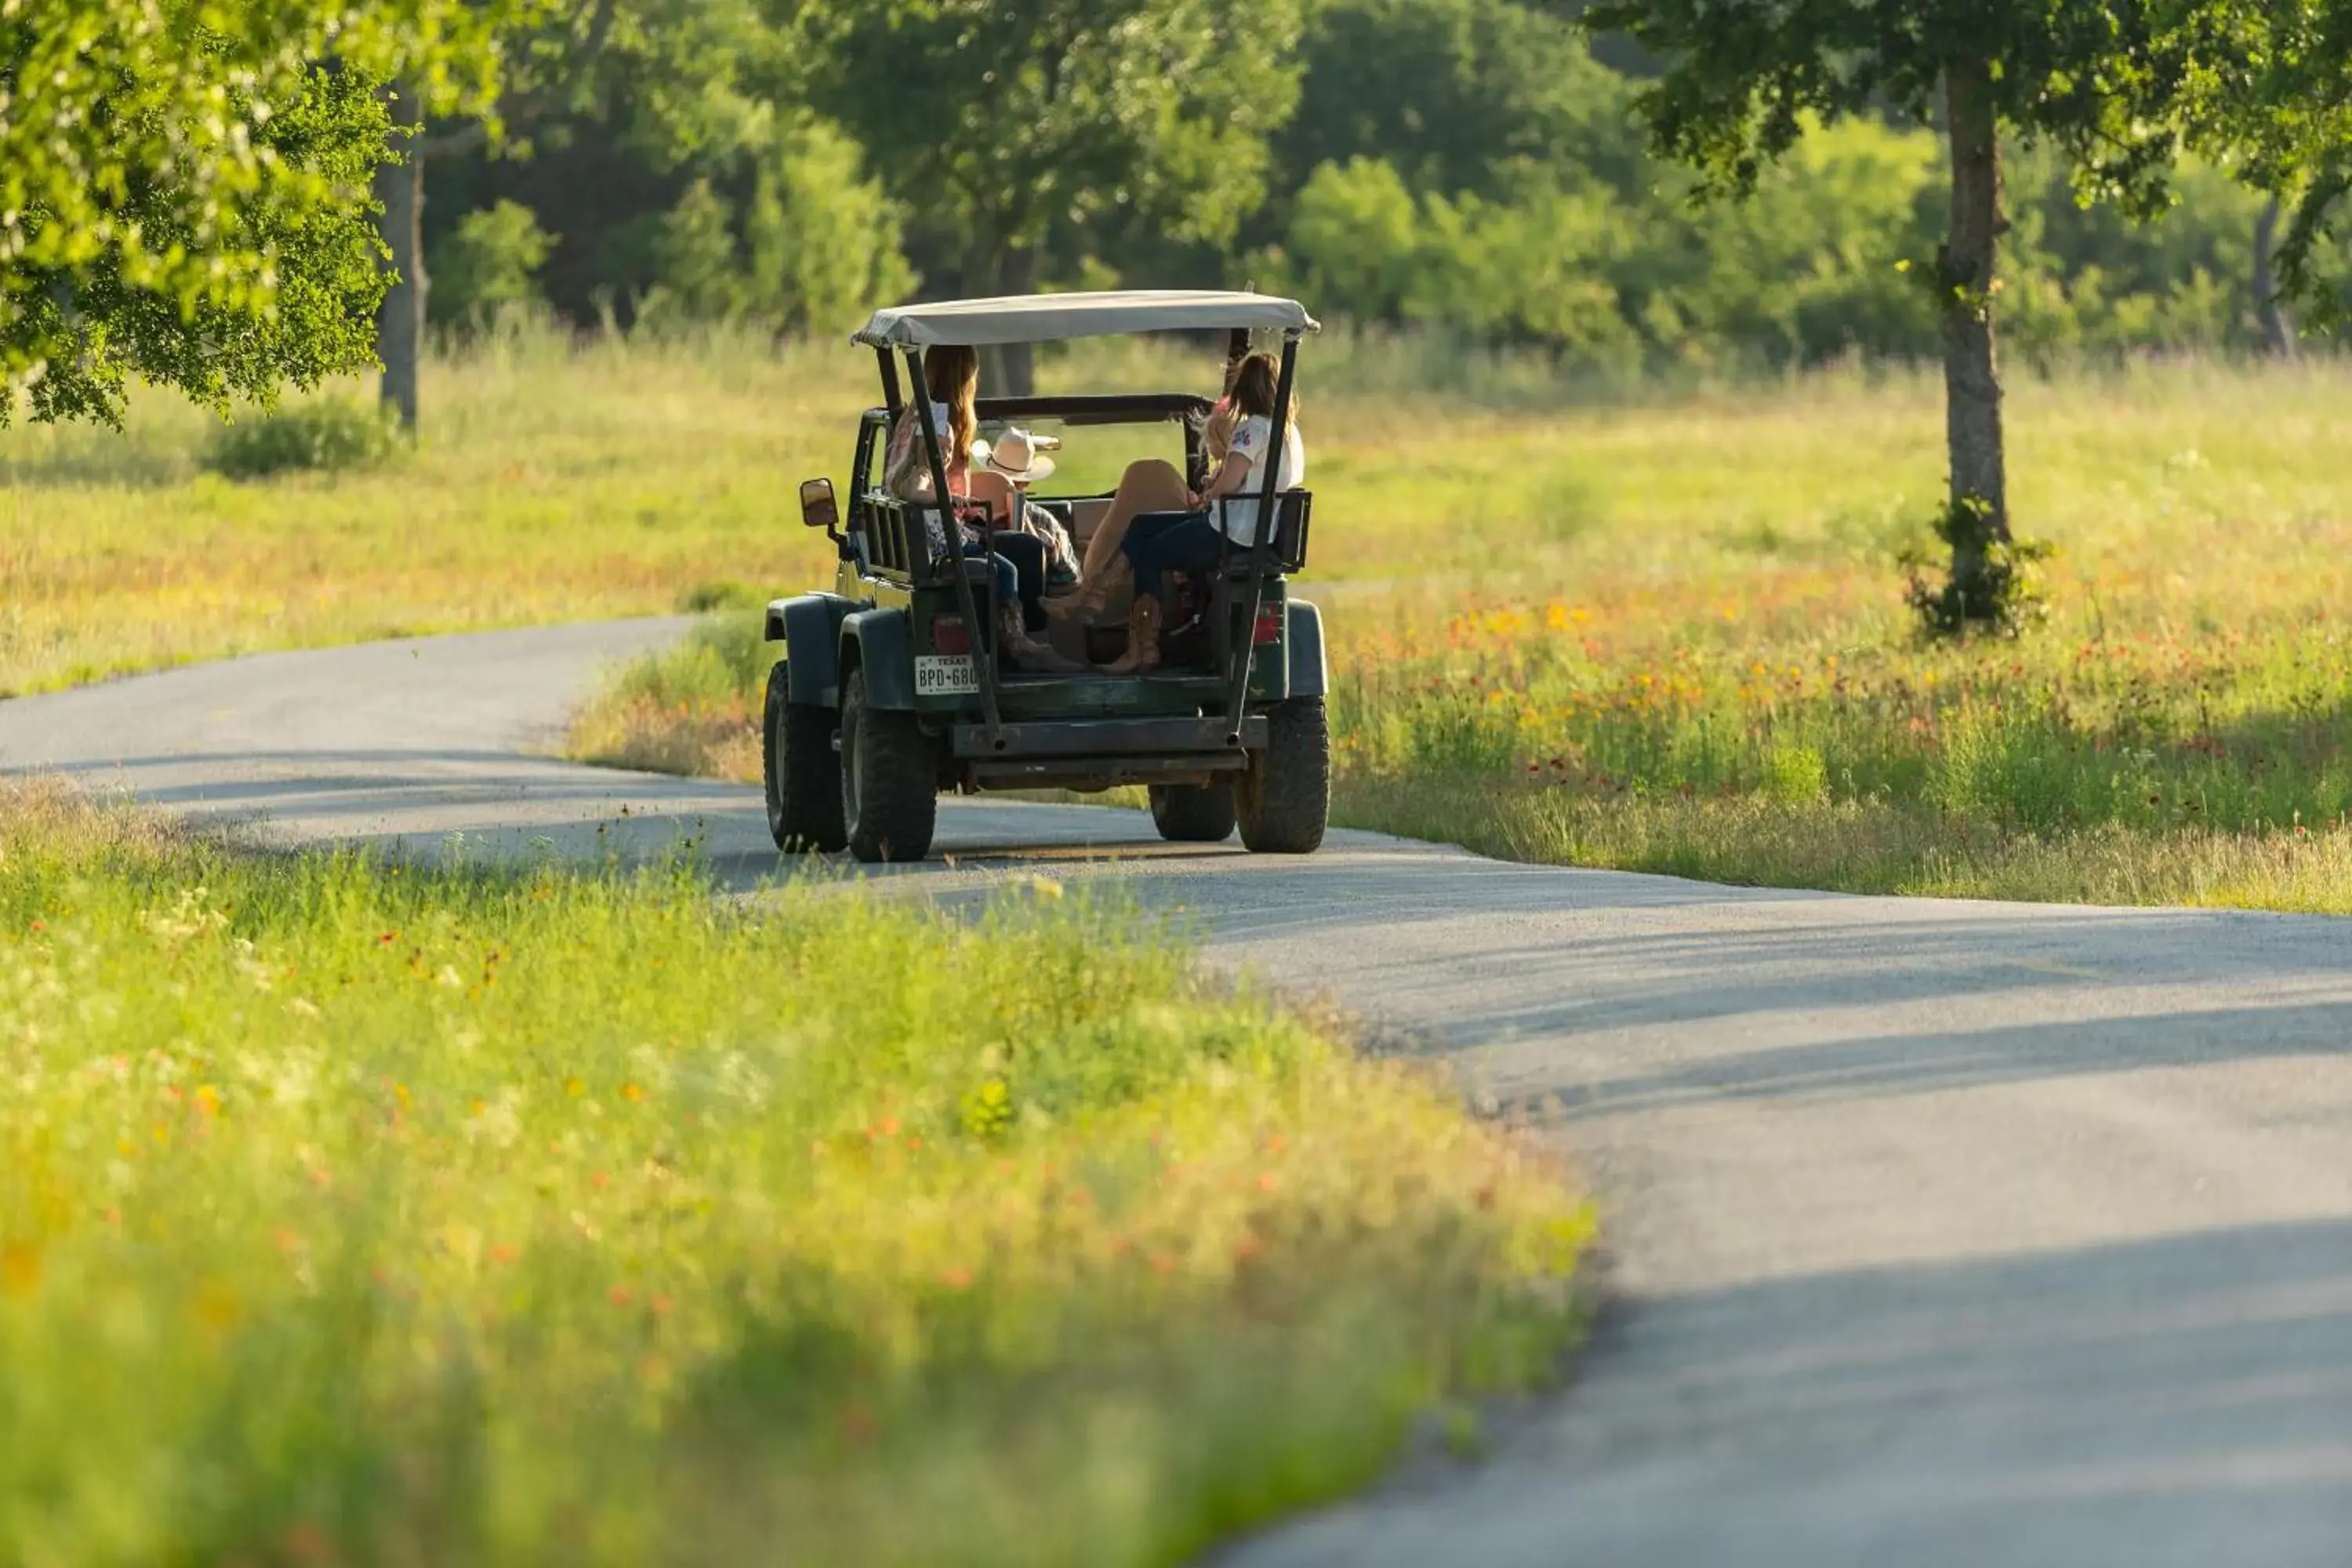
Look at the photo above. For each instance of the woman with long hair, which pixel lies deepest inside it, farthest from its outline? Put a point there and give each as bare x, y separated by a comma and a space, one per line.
980, 501
1156, 525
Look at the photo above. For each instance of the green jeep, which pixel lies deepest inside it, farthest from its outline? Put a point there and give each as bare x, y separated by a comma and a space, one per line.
890, 690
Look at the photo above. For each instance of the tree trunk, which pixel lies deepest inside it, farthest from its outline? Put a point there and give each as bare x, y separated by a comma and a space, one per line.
2278, 326
1979, 486
400, 319
1009, 370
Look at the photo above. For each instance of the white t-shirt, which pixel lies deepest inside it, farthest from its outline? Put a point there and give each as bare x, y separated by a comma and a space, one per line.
1251, 438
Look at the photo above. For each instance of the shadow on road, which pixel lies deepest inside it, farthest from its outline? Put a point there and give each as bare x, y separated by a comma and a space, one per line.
2183, 1400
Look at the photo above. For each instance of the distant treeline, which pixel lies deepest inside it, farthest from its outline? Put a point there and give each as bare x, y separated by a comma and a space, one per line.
1469, 165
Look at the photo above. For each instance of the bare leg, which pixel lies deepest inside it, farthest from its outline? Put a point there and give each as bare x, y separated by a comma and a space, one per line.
1148, 485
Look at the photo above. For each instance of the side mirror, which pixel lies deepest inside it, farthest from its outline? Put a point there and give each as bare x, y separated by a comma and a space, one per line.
817, 508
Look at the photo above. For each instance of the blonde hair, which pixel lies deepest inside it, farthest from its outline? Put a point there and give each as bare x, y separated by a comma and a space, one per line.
1217, 431
1257, 384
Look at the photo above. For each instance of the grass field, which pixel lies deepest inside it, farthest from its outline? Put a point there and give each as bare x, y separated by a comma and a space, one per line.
1663, 632
554, 483
1670, 636
355, 1213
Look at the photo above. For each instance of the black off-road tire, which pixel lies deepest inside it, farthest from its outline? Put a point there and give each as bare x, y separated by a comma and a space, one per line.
1284, 799
800, 771
889, 799
1193, 814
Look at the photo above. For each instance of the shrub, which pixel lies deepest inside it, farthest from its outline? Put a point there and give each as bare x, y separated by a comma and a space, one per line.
488, 265
329, 433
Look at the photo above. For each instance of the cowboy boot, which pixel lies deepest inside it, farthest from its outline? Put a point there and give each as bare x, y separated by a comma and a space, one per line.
1026, 653
1142, 655
1087, 603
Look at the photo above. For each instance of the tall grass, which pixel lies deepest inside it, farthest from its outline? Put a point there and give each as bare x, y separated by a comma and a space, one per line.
1670, 635
555, 479
354, 1212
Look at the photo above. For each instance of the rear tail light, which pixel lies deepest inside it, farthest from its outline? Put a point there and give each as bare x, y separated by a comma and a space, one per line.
949, 635
1269, 625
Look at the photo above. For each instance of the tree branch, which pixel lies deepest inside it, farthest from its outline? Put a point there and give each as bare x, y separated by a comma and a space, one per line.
450, 143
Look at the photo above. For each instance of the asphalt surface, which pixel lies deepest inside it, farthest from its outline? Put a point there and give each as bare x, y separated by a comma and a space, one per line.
1940, 1233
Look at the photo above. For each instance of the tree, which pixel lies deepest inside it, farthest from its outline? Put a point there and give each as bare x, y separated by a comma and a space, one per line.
550, 54
676, 63
1452, 93
2108, 83
182, 188
2274, 96
1005, 121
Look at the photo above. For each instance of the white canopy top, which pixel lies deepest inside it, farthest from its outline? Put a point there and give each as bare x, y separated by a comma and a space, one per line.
1042, 318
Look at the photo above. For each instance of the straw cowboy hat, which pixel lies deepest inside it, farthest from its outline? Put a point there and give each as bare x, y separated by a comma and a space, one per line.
1016, 454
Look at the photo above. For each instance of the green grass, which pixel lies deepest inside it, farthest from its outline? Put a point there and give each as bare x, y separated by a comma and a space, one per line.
554, 481
359, 1212
1671, 637
1657, 628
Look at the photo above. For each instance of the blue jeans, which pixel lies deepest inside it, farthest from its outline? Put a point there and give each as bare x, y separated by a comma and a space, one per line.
1019, 561
1161, 542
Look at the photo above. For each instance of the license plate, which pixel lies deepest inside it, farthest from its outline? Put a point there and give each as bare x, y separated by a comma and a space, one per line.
946, 675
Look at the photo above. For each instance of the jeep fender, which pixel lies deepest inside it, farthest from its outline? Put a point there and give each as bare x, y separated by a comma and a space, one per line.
808, 626
885, 650
1304, 633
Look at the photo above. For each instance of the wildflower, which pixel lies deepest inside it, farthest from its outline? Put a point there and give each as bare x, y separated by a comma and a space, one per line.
619, 1295
20, 1268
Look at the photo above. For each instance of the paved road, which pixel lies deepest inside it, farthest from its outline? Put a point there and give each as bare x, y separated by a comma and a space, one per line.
1943, 1233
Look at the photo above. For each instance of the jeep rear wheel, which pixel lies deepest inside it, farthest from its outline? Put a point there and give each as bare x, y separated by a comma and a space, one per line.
800, 771
1193, 814
1284, 799
889, 802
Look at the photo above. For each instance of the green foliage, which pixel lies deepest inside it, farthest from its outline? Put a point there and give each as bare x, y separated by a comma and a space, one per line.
1993, 585
824, 241
2105, 82
1455, 94
816, 244
1822, 260
366, 1212
325, 433
1006, 125
697, 258
489, 264
183, 187
2275, 95
1465, 165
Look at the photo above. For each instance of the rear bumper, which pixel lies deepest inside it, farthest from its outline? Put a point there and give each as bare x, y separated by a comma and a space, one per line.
1184, 743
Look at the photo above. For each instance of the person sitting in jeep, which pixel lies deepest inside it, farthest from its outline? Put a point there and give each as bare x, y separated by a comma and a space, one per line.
981, 501
1157, 525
